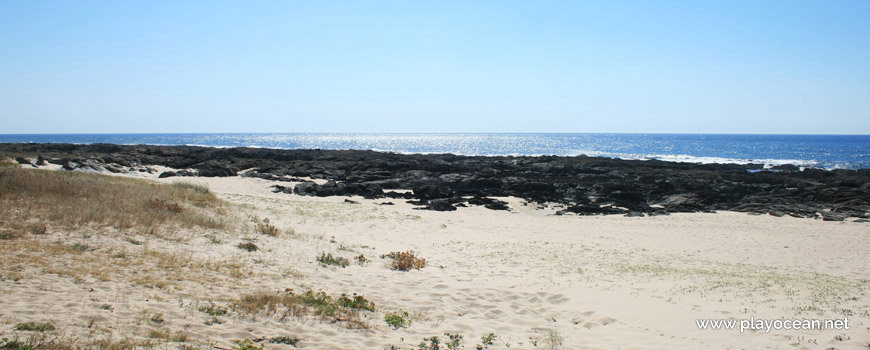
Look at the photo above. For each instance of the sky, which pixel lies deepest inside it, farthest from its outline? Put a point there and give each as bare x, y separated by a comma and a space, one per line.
781, 67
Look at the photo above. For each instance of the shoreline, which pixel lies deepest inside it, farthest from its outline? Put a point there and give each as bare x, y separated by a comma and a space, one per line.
578, 185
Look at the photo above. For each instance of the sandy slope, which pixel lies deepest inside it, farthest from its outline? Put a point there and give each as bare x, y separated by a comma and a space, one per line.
601, 282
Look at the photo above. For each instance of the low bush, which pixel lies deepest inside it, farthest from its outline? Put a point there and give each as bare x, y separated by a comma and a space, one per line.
247, 344
319, 303
356, 302
214, 310
286, 340
248, 246
405, 261
34, 327
266, 228
398, 319
327, 259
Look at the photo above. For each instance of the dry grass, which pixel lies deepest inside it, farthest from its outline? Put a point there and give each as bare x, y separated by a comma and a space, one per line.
343, 309
35, 205
149, 268
45, 341
71, 199
406, 261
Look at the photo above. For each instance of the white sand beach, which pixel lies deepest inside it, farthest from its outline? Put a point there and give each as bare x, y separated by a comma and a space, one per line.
532, 278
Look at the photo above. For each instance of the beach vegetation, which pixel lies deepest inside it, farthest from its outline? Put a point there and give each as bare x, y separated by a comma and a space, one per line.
327, 259
286, 340
34, 327
65, 342
38, 229
486, 341
405, 261
14, 344
168, 336
213, 310
74, 199
356, 302
361, 259
342, 309
248, 246
213, 321
9, 162
454, 342
398, 319
79, 247
265, 227
247, 344
553, 338
8, 236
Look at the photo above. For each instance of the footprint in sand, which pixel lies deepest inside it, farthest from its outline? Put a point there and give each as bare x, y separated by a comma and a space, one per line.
606, 321
591, 324
556, 299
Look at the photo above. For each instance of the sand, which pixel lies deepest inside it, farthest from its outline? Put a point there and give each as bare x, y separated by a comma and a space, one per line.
535, 279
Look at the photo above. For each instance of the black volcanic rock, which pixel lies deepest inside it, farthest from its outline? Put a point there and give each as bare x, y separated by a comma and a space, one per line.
583, 185
440, 205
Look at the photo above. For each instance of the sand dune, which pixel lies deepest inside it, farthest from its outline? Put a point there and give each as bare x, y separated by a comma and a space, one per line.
534, 279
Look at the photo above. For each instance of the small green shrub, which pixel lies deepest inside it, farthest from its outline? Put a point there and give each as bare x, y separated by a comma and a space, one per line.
398, 319
285, 340
328, 259
357, 302
213, 321
34, 327
38, 229
213, 310
266, 228
455, 340
486, 341
361, 259
322, 302
79, 247
7, 344
247, 344
248, 246
455, 343
167, 336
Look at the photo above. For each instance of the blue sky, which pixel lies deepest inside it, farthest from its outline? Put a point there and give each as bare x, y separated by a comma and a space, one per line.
438, 66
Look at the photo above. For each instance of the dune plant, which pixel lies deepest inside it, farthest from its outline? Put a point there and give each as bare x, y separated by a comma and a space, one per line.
405, 261
265, 227
397, 319
34, 327
327, 259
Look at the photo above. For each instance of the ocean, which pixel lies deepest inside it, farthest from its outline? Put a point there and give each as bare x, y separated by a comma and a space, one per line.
827, 151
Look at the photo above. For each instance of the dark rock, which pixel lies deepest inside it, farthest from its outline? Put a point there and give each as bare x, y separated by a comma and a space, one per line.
433, 191
586, 185
307, 188
350, 201
70, 166
440, 205
776, 213
832, 217
166, 174
489, 203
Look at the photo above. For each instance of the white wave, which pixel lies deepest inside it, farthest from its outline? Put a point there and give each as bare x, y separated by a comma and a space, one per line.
685, 158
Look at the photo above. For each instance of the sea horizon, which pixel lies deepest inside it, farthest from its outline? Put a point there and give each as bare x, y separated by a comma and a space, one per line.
829, 151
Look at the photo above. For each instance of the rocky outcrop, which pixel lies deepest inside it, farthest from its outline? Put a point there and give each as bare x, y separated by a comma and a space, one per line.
582, 185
